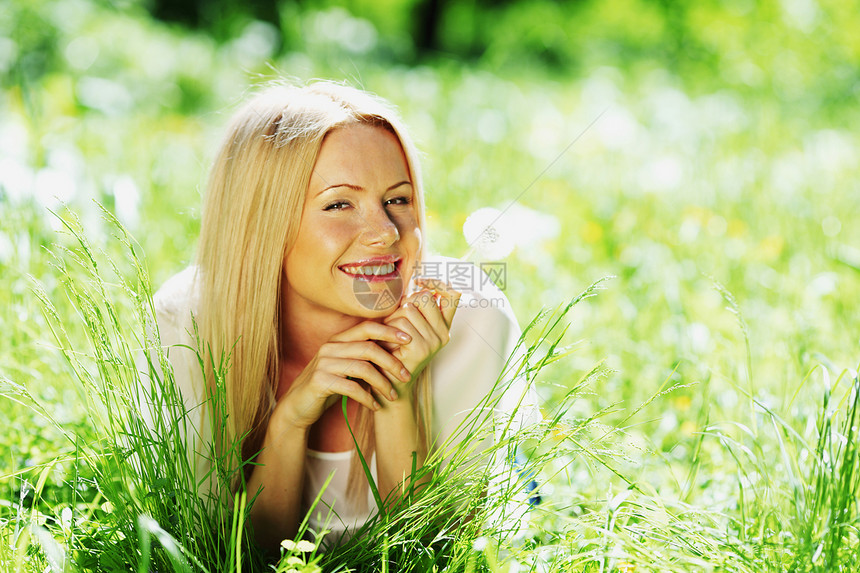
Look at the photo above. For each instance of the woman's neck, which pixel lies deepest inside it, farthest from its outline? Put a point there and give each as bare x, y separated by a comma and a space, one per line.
301, 337
305, 328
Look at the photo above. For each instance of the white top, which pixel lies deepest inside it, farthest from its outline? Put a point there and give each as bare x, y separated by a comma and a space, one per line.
482, 337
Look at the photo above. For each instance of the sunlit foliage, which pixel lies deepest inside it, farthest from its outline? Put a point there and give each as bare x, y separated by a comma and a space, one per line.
702, 153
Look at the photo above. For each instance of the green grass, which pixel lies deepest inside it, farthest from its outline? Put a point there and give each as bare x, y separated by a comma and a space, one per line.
147, 512
704, 420
790, 492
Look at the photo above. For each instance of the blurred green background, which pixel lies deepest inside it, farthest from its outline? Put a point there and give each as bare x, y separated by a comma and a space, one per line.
669, 144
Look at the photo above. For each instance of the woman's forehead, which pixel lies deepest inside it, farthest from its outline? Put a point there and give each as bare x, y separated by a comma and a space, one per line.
360, 155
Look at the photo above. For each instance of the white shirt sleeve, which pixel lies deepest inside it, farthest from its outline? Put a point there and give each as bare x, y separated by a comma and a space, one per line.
174, 303
484, 337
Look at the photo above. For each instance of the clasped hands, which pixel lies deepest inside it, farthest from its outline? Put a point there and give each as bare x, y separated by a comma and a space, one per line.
387, 357
426, 317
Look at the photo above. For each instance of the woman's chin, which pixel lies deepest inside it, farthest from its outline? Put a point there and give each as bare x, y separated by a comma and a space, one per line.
378, 313
378, 299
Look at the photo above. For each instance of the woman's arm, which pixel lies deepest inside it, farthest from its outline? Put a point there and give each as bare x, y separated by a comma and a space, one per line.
396, 425
397, 436
278, 482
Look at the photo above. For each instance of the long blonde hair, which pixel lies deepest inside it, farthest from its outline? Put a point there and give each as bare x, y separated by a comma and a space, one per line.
251, 217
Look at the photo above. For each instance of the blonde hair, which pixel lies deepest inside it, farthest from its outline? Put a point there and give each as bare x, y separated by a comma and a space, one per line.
251, 217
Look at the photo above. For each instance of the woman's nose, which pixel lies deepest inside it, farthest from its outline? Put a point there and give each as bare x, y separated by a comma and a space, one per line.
379, 229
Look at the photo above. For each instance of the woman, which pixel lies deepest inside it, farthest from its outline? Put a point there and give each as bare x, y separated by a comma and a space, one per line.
311, 241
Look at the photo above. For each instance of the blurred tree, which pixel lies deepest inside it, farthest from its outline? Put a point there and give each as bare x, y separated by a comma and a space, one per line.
801, 52
220, 17
34, 36
425, 24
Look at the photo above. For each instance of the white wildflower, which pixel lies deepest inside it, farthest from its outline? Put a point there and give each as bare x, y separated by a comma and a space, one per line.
66, 518
492, 233
302, 546
485, 234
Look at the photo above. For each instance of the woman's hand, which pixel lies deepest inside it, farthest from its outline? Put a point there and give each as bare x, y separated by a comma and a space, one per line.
337, 369
426, 316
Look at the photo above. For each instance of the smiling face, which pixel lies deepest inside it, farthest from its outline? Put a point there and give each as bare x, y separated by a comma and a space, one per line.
359, 238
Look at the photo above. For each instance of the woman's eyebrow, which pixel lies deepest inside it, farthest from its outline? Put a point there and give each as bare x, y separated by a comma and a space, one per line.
360, 188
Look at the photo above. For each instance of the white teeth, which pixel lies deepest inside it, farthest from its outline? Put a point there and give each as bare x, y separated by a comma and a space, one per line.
376, 270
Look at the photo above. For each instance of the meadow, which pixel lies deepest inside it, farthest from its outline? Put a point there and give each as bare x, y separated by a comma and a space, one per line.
700, 401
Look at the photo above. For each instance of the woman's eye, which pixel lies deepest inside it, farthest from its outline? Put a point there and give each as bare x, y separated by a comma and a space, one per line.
399, 201
336, 206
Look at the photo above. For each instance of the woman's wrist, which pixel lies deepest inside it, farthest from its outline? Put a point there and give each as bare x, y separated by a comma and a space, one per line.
398, 444
282, 425
404, 405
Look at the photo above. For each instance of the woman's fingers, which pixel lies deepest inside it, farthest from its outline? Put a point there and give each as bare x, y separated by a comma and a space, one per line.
429, 308
370, 330
351, 368
341, 386
415, 316
360, 370
367, 351
448, 298
354, 353
317, 390
399, 320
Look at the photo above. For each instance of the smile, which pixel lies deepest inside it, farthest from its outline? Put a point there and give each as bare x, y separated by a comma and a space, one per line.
372, 272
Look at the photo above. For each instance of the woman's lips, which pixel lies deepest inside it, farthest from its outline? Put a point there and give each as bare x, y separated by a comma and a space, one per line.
373, 272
